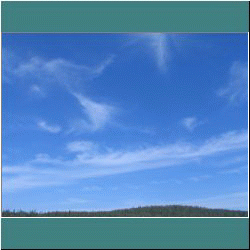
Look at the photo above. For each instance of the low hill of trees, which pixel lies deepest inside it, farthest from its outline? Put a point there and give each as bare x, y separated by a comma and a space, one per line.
149, 211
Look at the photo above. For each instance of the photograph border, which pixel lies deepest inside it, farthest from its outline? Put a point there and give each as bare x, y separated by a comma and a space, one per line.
124, 17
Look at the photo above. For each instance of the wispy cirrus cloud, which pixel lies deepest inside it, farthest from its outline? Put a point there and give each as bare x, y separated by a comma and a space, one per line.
237, 89
94, 163
99, 114
99, 69
49, 73
9, 62
49, 128
190, 123
30, 180
156, 44
70, 76
159, 43
37, 91
60, 71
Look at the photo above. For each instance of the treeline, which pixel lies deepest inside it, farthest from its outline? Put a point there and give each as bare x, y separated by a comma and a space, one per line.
149, 211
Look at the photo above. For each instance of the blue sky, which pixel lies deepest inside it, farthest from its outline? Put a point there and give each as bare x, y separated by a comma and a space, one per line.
105, 121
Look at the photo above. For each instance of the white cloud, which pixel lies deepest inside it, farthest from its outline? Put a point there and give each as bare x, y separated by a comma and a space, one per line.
31, 180
190, 123
226, 142
99, 114
60, 71
103, 65
237, 89
156, 44
52, 129
159, 44
35, 89
71, 76
93, 163
9, 62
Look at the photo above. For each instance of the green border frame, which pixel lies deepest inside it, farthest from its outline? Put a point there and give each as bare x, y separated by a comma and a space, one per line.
108, 233
125, 233
125, 16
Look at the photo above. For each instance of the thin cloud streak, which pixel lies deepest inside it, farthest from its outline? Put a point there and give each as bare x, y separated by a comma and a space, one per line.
99, 114
61, 71
70, 76
159, 44
91, 164
35, 89
190, 123
154, 43
237, 89
49, 128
